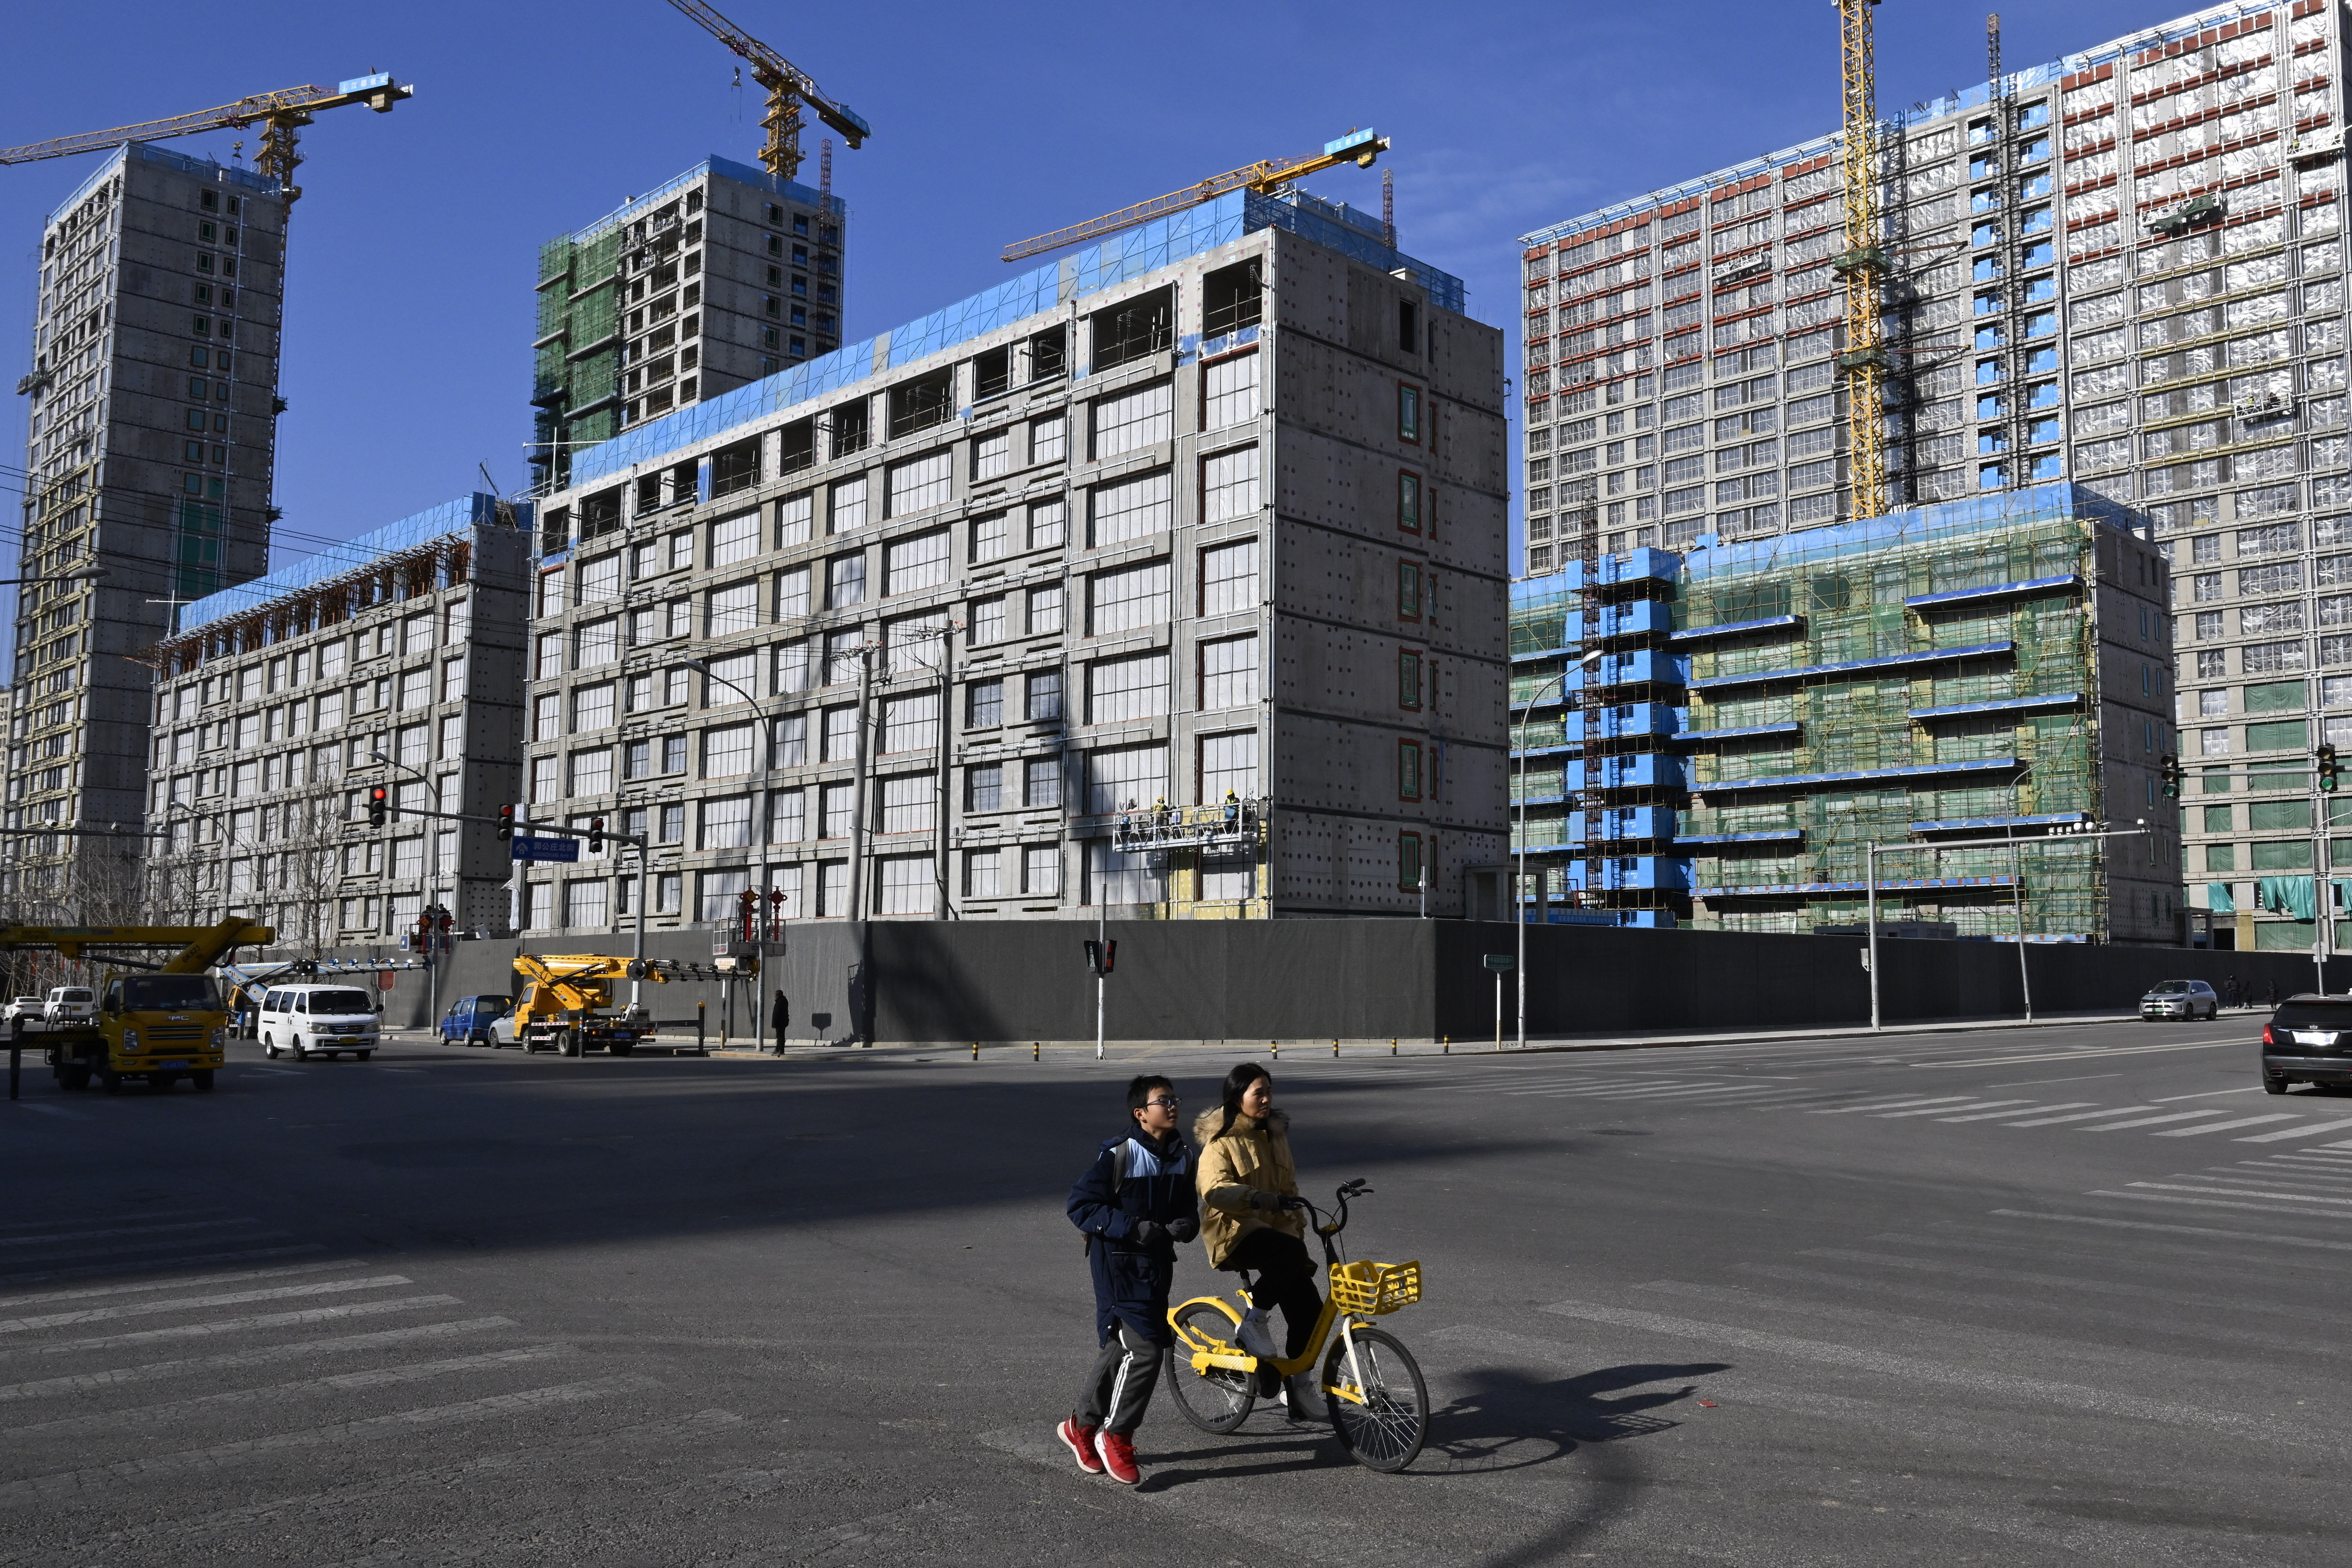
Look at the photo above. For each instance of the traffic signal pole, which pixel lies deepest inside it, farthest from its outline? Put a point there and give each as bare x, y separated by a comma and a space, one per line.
2323, 780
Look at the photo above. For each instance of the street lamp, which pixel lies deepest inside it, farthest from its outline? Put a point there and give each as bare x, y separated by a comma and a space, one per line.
767, 835
79, 575
432, 969
1519, 883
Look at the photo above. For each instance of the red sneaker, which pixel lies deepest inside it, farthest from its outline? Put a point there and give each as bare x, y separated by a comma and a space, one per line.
1080, 1441
1118, 1457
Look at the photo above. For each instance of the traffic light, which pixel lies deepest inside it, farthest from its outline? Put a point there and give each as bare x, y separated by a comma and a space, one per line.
2326, 768
506, 823
379, 805
1101, 956
2171, 767
595, 835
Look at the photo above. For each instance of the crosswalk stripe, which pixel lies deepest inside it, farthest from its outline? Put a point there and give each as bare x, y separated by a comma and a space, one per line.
2311, 1131
2152, 1121
2206, 1203
1933, 1109
88, 1270
300, 1349
2005, 1115
2224, 1126
2080, 1116
152, 1253
2241, 1193
51, 1222
1893, 1104
77, 1234
2107, 1223
189, 1303
86, 1291
235, 1325
32, 1489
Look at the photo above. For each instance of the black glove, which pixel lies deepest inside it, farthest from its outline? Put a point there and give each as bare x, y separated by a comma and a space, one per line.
1270, 1202
1184, 1228
1147, 1233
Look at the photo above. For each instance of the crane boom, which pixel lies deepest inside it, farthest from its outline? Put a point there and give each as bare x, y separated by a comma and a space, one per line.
1863, 264
281, 114
1264, 176
788, 88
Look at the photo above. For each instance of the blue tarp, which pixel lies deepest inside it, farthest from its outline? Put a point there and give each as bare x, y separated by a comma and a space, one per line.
351, 555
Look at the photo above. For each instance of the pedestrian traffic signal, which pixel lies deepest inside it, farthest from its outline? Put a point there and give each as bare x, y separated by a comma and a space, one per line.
2326, 768
1101, 956
2171, 768
506, 823
595, 835
379, 805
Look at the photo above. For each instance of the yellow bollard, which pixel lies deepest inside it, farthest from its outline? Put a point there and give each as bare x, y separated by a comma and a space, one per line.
1335, 1049
975, 1050
1392, 1044
1275, 1046
1032, 1051
1449, 1045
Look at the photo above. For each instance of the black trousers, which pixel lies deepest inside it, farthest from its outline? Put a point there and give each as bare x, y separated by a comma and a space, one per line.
1286, 1278
1119, 1385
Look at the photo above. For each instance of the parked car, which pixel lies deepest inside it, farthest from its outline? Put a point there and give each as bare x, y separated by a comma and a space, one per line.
475, 1020
309, 1021
2308, 1039
71, 1005
32, 1009
2180, 999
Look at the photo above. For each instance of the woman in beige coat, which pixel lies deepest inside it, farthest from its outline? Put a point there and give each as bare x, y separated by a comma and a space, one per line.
1252, 1217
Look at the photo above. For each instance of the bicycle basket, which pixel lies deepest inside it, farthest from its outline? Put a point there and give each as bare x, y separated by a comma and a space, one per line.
1369, 1289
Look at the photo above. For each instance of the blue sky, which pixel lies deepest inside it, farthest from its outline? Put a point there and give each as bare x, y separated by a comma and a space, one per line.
407, 357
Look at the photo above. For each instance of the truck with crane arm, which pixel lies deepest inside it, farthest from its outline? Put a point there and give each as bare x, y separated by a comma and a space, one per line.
564, 1000
160, 1022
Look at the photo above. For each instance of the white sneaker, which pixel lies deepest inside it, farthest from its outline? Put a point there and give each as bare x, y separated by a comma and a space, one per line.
1256, 1340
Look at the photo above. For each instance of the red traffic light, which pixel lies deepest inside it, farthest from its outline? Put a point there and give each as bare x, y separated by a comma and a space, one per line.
506, 823
379, 805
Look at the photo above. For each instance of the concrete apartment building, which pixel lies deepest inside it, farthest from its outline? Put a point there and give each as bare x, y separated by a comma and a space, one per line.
724, 276
1762, 709
273, 699
154, 405
993, 614
2123, 268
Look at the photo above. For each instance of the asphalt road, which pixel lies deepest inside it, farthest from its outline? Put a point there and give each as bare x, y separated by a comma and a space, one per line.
2041, 1297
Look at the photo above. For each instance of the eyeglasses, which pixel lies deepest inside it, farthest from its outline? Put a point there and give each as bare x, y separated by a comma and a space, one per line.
1169, 1101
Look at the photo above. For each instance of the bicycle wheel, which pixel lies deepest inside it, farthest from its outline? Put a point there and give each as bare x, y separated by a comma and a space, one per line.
1216, 1400
1386, 1431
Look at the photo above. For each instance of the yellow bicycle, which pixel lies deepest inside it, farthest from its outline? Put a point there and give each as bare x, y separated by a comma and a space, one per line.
1378, 1404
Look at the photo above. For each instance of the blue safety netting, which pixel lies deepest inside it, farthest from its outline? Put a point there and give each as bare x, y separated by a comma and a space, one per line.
1942, 520
351, 555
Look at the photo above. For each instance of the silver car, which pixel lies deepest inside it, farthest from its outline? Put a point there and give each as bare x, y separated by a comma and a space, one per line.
2180, 999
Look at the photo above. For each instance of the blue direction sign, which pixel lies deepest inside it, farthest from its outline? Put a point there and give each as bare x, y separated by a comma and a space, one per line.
544, 849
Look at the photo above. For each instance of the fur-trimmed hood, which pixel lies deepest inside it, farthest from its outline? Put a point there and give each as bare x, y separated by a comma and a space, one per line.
1251, 1156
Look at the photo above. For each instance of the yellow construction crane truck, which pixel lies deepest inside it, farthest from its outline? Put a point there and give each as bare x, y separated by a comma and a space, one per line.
161, 1022
564, 1000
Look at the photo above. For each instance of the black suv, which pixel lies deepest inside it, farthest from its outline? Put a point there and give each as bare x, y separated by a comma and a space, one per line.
2309, 1039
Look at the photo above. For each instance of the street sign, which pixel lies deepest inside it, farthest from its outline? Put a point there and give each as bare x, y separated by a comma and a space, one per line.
1500, 962
544, 848
384, 982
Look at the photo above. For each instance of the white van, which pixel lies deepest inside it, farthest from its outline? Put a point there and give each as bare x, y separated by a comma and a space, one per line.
319, 1020
71, 1004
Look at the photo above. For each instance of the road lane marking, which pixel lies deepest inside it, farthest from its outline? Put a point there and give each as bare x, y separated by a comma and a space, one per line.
188, 1303
2212, 1202
1979, 1105
2209, 1094
2152, 1121
155, 1371
1916, 1369
51, 1222
86, 1291
2004, 1115
2104, 1223
2241, 1192
1893, 1104
2080, 1116
104, 1479
2088, 1053
2312, 1130
85, 1270
2225, 1126
2032, 1083
77, 1234
234, 1325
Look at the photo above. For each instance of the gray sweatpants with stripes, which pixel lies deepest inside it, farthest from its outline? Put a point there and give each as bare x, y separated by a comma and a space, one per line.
1121, 1384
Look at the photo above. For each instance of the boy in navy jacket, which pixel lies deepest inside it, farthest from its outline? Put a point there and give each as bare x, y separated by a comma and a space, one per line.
1134, 1203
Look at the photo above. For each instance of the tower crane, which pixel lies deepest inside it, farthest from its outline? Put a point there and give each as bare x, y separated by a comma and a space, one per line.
280, 115
1865, 361
788, 87
1265, 176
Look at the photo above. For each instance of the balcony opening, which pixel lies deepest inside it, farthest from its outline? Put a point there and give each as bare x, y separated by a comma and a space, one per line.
919, 403
1134, 328
1231, 298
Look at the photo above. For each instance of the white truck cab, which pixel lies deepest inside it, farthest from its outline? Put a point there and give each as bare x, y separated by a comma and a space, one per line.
308, 1021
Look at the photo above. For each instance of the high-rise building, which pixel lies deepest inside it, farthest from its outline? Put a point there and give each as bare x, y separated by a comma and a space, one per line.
2123, 268
154, 399
721, 276
392, 660
1169, 576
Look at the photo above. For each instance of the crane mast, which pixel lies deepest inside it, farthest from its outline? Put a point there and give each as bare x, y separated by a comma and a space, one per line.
1862, 265
788, 87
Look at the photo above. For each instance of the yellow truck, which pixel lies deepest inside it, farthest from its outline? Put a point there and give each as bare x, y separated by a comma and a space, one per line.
160, 1022
563, 1001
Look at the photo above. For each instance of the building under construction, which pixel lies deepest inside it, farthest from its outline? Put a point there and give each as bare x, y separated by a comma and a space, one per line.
2123, 268
724, 276
1714, 736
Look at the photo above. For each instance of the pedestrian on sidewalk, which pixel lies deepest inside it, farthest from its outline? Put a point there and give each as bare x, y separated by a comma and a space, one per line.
780, 1018
2229, 990
1253, 1218
1135, 1203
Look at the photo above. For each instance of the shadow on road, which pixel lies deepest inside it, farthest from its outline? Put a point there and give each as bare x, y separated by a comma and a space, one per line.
1510, 1420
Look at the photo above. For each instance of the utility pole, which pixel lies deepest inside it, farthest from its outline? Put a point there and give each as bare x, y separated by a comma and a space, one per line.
858, 785
946, 907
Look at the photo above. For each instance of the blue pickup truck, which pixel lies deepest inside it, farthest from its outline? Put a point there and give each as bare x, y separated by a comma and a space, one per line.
471, 1020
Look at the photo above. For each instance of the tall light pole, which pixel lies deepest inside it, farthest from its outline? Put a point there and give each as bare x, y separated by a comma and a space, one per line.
1519, 881
766, 818
431, 883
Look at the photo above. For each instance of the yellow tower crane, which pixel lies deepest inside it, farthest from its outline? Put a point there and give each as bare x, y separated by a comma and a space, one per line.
1863, 264
1265, 176
788, 87
279, 114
